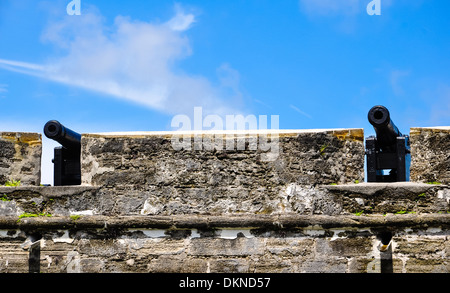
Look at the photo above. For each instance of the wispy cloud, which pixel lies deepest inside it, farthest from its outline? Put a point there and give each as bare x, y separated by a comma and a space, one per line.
330, 7
300, 111
439, 115
395, 79
342, 13
345, 15
3, 88
340, 7
132, 60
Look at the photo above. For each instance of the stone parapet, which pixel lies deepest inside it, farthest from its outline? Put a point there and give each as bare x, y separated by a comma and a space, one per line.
223, 159
255, 175
430, 159
20, 158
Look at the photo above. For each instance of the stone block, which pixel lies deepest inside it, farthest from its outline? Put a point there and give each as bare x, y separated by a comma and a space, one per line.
430, 160
177, 264
240, 246
20, 157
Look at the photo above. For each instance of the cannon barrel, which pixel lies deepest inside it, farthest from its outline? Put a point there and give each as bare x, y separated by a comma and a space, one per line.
385, 128
65, 136
66, 161
389, 150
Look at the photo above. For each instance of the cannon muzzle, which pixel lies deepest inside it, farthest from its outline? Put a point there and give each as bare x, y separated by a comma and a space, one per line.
65, 136
385, 128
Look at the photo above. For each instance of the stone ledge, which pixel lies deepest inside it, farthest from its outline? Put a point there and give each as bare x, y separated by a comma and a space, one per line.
275, 222
332, 200
373, 188
48, 191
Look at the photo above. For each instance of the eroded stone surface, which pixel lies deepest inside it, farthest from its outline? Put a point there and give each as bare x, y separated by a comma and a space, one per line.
20, 157
430, 154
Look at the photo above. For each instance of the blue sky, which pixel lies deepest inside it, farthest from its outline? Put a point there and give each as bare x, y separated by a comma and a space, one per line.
133, 65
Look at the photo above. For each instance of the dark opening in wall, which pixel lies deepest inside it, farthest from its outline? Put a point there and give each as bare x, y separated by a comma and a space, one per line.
34, 257
385, 238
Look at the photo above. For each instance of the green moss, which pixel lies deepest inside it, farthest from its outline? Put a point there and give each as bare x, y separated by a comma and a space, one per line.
404, 212
28, 215
12, 183
75, 217
323, 148
359, 213
31, 215
434, 182
4, 198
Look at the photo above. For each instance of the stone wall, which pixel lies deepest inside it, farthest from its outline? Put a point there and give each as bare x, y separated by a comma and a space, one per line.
292, 202
249, 180
20, 157
430, 155
235, 244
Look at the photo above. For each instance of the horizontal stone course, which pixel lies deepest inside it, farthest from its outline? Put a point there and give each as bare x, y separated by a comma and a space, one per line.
349, 199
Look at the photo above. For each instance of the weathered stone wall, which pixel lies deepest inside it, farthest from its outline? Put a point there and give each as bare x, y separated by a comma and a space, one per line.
189, 252
299, 205
73, 229
430, 154
20, 157
250, 180
201, 244
332, 200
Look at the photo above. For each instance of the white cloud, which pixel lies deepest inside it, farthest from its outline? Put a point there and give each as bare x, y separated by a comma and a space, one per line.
181, 21
131, 60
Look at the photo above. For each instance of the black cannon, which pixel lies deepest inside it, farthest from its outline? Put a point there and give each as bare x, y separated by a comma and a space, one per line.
388, 150
66, 161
